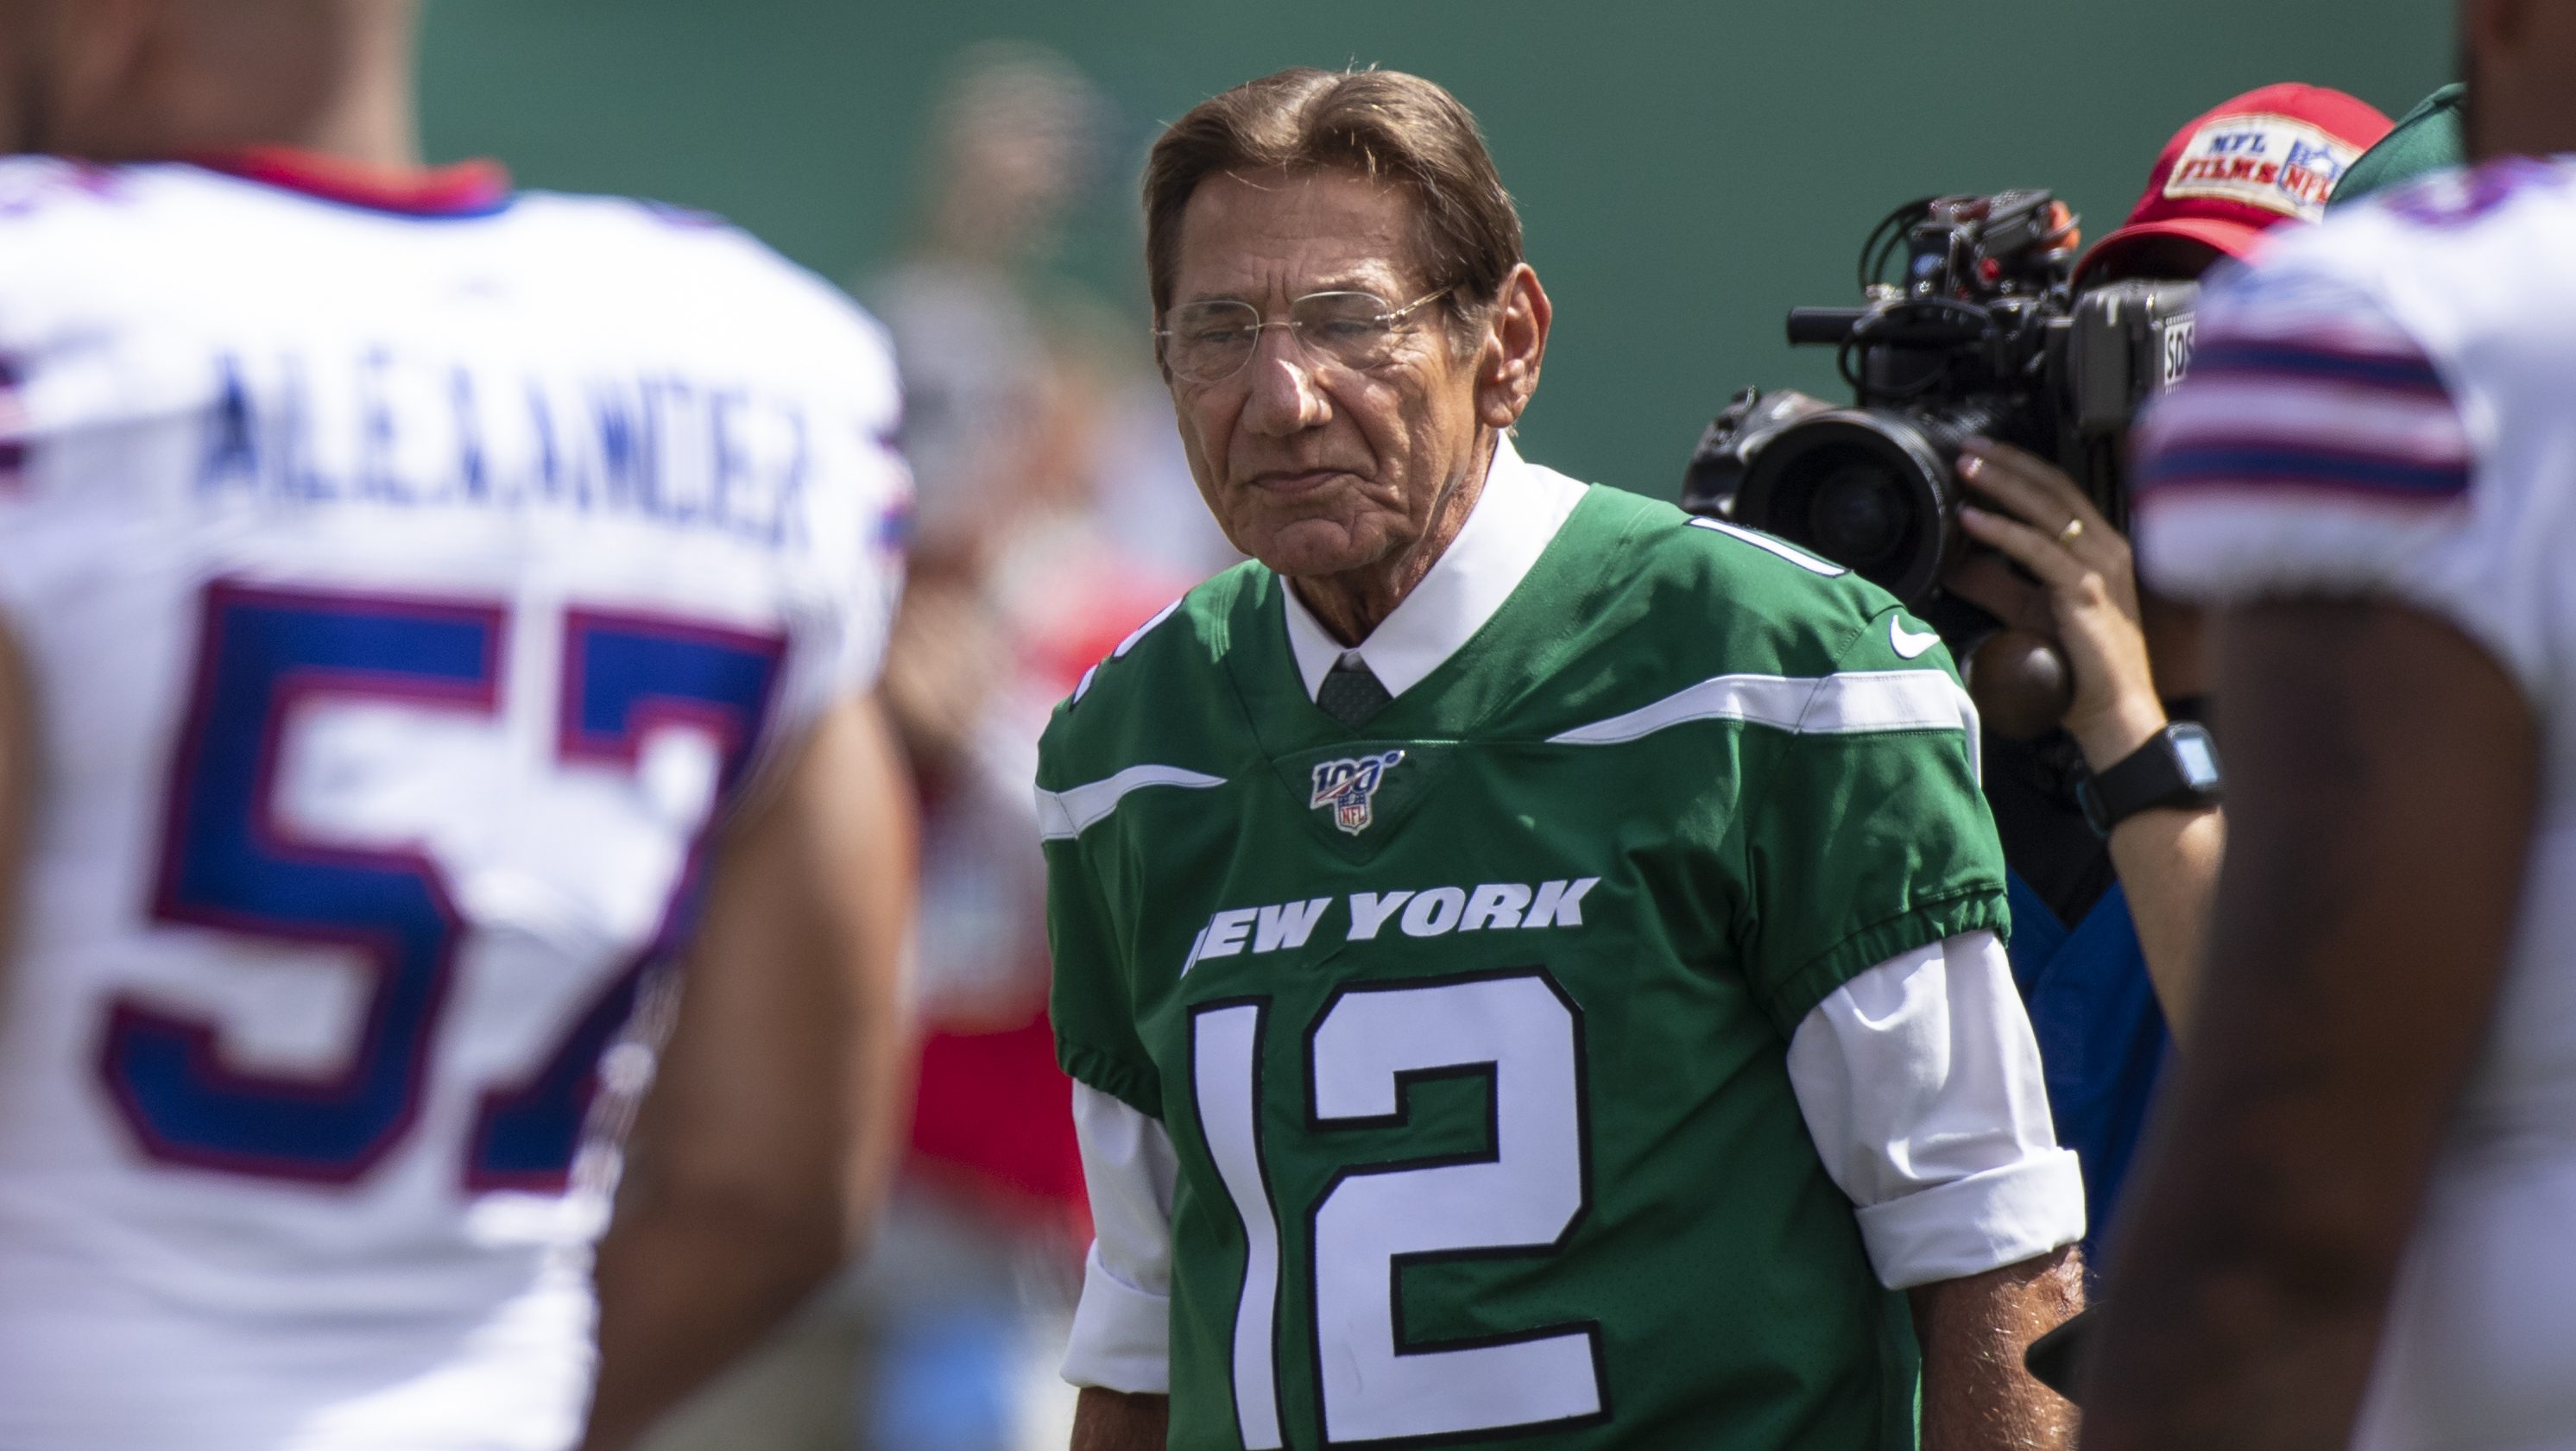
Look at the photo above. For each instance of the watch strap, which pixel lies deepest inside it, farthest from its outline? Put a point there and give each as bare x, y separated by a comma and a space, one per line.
2178, 766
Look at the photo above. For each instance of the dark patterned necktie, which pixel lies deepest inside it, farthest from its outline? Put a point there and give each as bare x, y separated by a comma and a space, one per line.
1351, 693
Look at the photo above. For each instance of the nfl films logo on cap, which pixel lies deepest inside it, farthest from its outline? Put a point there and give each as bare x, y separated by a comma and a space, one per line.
1348, 785
2273, 162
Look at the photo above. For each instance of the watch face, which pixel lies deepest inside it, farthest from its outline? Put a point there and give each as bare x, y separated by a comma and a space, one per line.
2199, 763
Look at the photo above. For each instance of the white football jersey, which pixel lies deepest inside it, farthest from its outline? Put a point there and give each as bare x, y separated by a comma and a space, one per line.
406, 586
2386, 406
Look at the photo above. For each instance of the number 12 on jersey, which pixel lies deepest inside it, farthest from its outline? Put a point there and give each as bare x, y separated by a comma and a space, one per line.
231, 864
1524, 1197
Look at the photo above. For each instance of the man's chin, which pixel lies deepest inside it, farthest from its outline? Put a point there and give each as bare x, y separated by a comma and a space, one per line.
1313, 548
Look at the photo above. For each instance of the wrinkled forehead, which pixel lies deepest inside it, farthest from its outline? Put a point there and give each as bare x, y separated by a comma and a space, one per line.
1268, 236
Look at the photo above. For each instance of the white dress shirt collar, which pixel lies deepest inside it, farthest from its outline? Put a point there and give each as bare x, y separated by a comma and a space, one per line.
1522, 507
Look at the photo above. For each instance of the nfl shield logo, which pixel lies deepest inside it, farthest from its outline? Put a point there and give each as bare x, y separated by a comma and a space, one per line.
1347, 785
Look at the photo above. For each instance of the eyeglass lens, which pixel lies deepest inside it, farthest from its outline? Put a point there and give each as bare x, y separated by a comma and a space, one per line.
1208, 341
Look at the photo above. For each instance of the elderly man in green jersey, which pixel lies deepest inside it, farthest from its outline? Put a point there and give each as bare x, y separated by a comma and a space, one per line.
1528, 958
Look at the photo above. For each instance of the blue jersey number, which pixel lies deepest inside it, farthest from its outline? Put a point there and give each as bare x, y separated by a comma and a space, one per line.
229, 864
625, 675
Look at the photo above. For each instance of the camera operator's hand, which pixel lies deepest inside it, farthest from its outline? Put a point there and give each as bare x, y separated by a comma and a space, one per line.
2086, 598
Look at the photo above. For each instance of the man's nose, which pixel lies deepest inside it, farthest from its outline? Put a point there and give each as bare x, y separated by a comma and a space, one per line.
1285, 395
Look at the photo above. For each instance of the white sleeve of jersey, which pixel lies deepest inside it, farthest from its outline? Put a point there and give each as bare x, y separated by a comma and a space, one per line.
1122, 1328
2320, 449
858, 507
1920, 1083
877, 585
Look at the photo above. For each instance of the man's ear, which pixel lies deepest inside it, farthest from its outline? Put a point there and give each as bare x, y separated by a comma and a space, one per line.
2494, 20
2494, 30
1515, 344
107, 56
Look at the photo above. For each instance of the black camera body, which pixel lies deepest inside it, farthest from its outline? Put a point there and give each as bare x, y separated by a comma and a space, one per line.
1982, 336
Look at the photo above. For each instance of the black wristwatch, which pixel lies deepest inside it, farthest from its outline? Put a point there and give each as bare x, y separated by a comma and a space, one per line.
2178, 766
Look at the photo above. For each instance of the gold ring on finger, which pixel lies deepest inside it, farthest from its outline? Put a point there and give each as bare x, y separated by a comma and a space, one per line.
2073, 531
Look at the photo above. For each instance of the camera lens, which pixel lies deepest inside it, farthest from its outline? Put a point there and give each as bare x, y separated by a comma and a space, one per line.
1858, 514
1866, 488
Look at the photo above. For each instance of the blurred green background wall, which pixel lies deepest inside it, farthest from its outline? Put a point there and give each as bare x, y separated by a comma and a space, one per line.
1687, 171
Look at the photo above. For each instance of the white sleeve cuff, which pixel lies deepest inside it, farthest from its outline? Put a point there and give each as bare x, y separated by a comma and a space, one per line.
1122, 1329
1920, 1083
1122, 1336
1980, 1223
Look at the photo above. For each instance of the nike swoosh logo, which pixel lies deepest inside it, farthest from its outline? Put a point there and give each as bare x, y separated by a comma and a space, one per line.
1908, 644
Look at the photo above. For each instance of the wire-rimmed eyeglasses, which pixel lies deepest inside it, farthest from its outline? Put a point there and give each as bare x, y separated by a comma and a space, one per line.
1209, 342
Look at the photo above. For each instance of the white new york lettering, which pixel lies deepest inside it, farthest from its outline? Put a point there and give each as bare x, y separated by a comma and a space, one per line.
1369, 912
1559, 904
1289, 924
1192, 960
1434, 912
1226, 931
1497, 905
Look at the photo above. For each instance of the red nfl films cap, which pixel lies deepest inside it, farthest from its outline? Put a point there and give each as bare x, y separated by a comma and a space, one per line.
2267, 157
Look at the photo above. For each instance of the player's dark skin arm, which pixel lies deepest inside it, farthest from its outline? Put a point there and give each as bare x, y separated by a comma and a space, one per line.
2381, 772
769, 1134
1116, 1421
1976, 1396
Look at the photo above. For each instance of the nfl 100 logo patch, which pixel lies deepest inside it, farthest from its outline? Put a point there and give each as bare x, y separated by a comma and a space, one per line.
1348, 785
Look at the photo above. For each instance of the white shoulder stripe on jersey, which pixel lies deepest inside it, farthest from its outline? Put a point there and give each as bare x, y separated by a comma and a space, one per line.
1063, 815
1853, 703
1083, 687
1785, 550
2334, 318
1141, 631
2300, 412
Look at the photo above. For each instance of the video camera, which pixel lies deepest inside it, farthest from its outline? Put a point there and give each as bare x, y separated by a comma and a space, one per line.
1982, 335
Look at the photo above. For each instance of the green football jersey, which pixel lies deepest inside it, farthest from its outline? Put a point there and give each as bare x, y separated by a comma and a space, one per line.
1469, 1026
